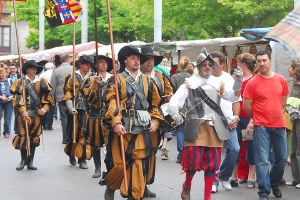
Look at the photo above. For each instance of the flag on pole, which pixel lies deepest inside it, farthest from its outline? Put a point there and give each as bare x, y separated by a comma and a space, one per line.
61, 12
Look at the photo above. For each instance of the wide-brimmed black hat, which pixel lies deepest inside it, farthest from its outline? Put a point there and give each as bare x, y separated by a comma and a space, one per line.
31, 63
85, 59
127, 51
42, 62
149, 52
203, 56
108, 60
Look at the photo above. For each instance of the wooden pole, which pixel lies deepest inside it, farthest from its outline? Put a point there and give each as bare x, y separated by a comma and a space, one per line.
116, 87
74, 91
22, 78
96, 35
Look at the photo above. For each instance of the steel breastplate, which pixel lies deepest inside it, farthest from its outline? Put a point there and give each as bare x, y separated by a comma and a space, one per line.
31, 103
81, 102
133, 99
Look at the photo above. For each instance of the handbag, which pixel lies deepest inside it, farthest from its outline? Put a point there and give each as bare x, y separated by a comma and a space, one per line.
247, 134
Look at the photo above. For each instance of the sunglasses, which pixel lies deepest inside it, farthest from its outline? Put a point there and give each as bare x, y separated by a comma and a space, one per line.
206, 64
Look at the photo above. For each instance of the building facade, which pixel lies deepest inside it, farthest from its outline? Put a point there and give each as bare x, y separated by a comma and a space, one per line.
8, 44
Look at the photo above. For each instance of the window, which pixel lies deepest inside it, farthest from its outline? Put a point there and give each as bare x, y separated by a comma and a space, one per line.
5, 39
6, 36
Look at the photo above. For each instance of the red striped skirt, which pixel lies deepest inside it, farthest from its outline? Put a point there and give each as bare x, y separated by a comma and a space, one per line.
197, 158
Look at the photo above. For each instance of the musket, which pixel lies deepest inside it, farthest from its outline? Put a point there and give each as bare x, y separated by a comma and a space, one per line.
74, 91
22, 78
116, 87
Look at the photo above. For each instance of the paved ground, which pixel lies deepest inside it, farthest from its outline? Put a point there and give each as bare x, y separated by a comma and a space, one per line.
56, 179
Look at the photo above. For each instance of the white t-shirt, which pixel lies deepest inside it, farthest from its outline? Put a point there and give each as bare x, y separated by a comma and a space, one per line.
225, 105
47, 75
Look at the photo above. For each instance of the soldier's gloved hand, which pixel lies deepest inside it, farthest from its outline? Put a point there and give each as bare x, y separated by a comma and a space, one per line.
144, 117
238, 78
70, 107
174, 112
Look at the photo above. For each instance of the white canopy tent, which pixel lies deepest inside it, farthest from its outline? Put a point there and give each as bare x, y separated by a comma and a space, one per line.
50, 53
106, 49
192, 48
8, 57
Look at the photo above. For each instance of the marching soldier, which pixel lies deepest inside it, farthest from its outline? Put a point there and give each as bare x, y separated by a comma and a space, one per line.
136, 119
38, 100
94, 88
165, 91
77, 147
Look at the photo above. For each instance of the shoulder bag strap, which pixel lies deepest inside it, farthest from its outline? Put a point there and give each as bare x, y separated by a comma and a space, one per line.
140, 94
201, 94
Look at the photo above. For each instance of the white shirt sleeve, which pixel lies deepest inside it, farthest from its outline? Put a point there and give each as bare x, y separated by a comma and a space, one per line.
228, 91
178, 99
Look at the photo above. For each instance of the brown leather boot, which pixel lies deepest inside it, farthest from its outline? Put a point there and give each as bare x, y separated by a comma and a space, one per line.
185, 193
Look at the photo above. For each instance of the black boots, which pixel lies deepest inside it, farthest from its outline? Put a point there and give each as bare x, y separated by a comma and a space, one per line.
109, 194
97, 162
23, 160
30, 159
27, 160
72, 160
148, 193
82, 164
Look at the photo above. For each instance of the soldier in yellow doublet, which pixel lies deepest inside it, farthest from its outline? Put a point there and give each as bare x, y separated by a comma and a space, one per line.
137, 118
77, 141
93, 88
38, 101
165, 91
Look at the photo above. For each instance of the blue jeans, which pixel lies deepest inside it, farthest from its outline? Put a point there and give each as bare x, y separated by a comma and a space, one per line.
180, 140
232, 151
265, 140
8, 110
243, 123
63, 117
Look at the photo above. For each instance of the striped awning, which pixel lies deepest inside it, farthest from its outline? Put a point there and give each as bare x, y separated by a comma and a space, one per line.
287, 32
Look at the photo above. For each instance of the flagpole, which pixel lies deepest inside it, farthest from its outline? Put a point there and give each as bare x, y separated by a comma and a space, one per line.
116, 87
74, 92
22, 78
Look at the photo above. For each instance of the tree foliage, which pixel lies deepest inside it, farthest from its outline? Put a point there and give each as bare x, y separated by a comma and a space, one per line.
182, 20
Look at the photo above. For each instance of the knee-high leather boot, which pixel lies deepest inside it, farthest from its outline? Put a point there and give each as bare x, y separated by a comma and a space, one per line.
97, 162
30, 159
82, 163
23, 160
